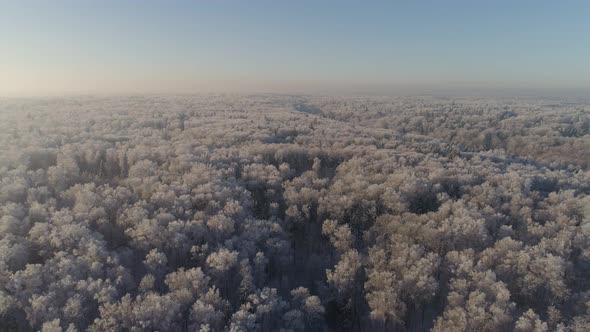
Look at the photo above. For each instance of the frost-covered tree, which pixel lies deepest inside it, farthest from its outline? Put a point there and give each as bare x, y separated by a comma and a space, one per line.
294, 213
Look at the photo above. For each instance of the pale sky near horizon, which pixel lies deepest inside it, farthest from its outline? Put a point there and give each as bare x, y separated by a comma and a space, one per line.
103, 47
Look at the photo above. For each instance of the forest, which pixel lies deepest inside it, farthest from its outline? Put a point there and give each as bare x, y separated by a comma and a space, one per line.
294, 213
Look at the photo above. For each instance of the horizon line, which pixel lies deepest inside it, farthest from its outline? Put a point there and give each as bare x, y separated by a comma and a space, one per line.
314, 87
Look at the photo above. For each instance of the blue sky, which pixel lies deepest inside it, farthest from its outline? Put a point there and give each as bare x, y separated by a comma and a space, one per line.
63, 47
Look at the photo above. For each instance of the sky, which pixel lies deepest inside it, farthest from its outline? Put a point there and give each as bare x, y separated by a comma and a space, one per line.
118, 47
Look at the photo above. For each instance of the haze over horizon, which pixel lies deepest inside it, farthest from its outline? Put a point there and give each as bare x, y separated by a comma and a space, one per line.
120, 47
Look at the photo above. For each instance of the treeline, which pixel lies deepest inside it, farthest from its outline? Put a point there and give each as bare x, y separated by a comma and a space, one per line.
553, 133
290, 213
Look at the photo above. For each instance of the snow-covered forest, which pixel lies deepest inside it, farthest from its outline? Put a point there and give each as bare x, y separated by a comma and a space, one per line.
294, 213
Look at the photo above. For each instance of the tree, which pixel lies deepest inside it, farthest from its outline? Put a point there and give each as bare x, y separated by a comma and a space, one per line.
530, 322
